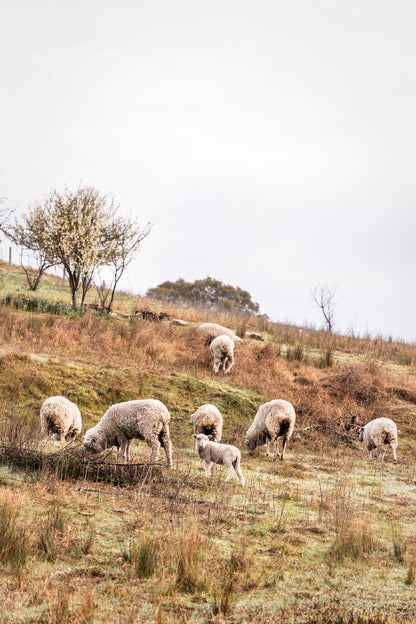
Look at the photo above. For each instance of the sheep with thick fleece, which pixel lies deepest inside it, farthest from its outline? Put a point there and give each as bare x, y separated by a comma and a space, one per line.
273, 419
211, 330
61, 418
222, 349
146, 419
208, 420
225, 454
378, 434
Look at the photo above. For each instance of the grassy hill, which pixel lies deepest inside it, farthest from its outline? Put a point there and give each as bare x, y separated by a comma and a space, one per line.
324, 536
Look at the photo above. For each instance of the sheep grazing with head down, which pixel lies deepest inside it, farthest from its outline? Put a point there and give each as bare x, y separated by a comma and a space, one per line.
61, 418
273, 419
222, 349
378, 434
225, 454
211, 330
146, 419
208, 420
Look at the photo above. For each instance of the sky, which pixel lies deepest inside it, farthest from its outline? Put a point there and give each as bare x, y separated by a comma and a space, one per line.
270, 143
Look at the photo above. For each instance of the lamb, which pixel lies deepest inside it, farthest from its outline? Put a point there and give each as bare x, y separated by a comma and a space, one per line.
377, 434
222, 349
273, 419
208, 420
211, 330
61, 418
225, 454
146, 419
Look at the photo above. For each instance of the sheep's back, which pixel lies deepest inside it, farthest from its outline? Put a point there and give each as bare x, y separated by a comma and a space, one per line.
275, 416
136, 417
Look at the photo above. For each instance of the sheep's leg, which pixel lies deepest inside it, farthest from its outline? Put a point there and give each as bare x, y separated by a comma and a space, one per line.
155, 446
123, 450
393, 448
166, 444
238, 472
230, 472
207, 468
230, 364
276, 450
127, 450
267, 447
283, 447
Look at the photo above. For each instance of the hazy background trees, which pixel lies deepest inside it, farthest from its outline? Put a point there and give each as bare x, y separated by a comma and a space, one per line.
209, 292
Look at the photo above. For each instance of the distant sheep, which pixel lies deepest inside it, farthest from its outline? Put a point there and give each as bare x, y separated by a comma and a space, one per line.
377, 434
225, 454
273, 420
211, 330
61, 418
222, 349
208, 420
146, 420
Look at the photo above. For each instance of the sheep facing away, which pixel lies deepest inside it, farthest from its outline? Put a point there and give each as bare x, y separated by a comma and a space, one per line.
222, 349
225, 454
208, 420
146, 419
211, 330
273, 420
378, 434
61, 418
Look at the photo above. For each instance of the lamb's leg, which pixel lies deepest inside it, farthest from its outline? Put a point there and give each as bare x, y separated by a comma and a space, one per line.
238, 471
230, 472
207, 468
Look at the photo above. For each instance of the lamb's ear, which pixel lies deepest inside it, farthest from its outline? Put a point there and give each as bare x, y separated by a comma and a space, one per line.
209, 437
194, 435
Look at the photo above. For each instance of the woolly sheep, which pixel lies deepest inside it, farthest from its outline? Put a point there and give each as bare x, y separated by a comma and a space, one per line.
61, 418
377, 434
146, 420
222, 349
208, 420
212, 330
225, 454
273, 419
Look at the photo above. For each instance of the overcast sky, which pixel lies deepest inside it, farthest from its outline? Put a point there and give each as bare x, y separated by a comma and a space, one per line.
270, 143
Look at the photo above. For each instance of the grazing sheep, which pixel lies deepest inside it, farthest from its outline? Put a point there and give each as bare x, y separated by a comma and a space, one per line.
225, 454
146, 420
61, 418
377, 434
222, 349
208, 420
211, 330
273, 419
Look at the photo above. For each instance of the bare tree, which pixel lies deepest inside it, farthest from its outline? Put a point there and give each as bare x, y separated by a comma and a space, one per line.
126, 237
324, 298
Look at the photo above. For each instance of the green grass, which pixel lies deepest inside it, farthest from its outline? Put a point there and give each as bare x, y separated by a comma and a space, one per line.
324, 536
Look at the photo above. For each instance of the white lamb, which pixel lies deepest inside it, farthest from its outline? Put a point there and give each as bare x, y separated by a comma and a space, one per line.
146, 420
377, 434
61, 418
273, 419
225, 454
222, 349
208, 420
211, 330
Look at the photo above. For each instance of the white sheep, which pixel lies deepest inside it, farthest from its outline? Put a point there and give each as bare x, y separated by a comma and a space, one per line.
222, 349
225, 454
61, 418
211, 330
377, 434
273, 420
208, 420
146, 419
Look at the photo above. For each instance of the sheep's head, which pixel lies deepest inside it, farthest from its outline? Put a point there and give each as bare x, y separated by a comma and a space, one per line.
253, 439
201, 439
361, 434
92, 442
